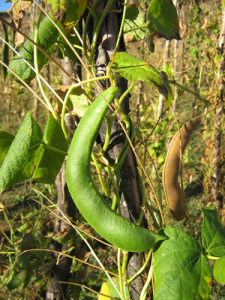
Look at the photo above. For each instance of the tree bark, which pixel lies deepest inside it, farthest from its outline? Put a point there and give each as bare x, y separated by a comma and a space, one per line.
129, 186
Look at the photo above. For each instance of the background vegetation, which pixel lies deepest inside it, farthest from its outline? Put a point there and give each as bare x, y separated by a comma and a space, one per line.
26, 211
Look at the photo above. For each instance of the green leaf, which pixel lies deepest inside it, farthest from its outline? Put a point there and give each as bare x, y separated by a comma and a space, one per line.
134, 69
213, 233
5, 142
22, 155
219, 270
52, 159
180, 270
163, 19
5, 52
133, 19
47, 37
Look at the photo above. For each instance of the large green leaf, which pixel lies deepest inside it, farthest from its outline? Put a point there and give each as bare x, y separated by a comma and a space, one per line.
133, 20
134, 69
23, 154
5, 142
219, 270
52, 159
47, 38
163, 20
180, 270
213, 233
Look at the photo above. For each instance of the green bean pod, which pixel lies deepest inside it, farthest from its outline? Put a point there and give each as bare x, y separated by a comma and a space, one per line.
107, 223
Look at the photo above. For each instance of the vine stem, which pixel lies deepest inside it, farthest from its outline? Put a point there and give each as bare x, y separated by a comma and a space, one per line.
213, 257
54, 149
12, 233
91, 13
126, 92
186, 89
119, 36
142, 268
97, 29
115, 184
78, 35
109, 120
99, 175
144, 26
120, 273
38, 78
145, 288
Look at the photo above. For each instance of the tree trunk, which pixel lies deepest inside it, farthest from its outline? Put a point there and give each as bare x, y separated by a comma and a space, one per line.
129, 186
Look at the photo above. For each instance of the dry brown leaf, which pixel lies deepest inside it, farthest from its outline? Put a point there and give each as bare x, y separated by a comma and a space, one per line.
18, 12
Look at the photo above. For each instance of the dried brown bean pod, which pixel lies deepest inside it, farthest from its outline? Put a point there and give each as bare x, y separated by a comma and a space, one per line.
173, 192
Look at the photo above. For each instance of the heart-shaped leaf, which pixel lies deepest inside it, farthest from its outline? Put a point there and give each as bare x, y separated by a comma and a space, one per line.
180, 270
162, 21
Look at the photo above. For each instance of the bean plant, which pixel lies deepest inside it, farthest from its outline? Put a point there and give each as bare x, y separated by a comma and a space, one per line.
175, 265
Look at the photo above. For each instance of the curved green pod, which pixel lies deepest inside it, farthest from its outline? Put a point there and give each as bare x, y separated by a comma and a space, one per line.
111, 226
